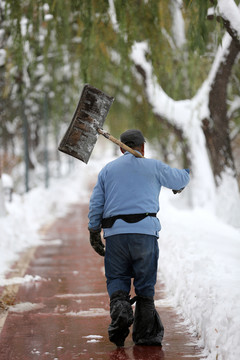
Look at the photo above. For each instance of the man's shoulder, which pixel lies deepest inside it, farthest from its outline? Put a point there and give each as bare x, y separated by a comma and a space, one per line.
111, 163
123, 159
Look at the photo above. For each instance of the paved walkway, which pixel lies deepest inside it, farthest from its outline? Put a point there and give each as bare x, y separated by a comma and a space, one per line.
65, 314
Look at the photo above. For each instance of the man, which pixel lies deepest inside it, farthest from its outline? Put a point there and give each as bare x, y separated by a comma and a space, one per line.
124, 203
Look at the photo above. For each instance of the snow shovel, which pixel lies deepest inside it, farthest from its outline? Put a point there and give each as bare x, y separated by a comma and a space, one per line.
86, 125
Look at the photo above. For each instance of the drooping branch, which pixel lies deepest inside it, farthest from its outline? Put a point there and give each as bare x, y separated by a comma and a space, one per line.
177, 131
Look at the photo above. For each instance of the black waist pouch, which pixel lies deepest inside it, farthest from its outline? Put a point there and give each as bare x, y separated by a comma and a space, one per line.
129, 218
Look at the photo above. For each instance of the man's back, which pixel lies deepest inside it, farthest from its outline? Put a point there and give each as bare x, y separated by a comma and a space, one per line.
130, 185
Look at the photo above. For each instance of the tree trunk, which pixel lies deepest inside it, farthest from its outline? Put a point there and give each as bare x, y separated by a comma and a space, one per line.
216, 128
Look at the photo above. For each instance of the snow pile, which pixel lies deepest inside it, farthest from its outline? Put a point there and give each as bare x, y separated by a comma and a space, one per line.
93, 338
88, 313
24, 307
27, 213
228, 206
20, 280
7, 181
200, 264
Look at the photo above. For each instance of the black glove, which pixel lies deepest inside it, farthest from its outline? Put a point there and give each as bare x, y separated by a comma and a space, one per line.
96, 241
177, 191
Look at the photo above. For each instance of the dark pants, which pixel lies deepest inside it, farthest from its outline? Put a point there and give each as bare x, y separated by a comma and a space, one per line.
133, 256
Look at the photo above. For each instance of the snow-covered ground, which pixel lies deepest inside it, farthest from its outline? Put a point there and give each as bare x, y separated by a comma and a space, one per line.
200, 265
199, 254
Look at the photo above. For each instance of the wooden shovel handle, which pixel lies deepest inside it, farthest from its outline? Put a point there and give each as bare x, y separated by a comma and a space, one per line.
119, 143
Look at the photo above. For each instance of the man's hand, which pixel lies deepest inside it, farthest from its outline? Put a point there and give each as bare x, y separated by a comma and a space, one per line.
96, 241
177, 191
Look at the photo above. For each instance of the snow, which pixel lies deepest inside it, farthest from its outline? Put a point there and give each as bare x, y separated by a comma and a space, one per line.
200, 264
178, 23
48, 17
27, 306
112, 15
3, 55
27, 213
20, 280
46, 7
184, 115
199, 253
81, 295
24, 23
7, 181
229, 10
88, 313
92, 337
2, 201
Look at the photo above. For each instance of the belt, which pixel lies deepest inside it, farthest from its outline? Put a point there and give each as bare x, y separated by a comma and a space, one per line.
129, 218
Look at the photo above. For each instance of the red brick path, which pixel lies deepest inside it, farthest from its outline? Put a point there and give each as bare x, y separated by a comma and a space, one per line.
70, 306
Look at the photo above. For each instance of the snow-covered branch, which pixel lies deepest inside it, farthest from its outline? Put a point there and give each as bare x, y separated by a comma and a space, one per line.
112, 15
178, 27
233, 106
229, 11
230, 14
220, 57
184, 115
161, 103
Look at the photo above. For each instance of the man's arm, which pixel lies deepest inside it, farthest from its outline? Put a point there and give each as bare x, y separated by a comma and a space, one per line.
172, 178
179, 191
96, 206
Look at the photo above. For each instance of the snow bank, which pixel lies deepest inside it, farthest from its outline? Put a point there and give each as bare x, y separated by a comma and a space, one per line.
228, 199
7, 181
200, 264
27, 213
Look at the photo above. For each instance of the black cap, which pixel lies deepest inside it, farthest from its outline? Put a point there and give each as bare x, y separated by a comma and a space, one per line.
132, 138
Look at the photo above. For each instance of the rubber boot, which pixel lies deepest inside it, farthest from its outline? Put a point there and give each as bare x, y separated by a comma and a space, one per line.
122, 317
147, 328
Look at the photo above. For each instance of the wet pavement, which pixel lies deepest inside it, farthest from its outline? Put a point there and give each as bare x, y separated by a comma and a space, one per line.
64, 315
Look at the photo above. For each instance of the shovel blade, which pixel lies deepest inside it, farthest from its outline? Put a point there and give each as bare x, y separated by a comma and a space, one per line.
90, 114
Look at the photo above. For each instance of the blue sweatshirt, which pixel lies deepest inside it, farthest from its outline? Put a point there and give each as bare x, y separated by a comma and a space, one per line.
131, 185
